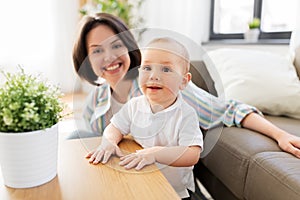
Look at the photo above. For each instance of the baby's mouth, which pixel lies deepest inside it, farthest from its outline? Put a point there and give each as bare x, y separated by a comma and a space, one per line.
154, 87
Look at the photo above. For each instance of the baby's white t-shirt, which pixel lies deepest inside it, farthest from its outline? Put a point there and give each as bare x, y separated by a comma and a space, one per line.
176, 125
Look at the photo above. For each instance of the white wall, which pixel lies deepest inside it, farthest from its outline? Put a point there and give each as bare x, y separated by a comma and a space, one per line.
190, 18
66, 19
39, 35
26, 34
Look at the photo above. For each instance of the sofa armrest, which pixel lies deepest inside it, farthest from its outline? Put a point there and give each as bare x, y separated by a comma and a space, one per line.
297, 61
202, 78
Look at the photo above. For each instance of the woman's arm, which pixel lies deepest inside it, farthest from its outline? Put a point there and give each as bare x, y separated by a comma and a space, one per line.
176, 156
213, 111
286, 141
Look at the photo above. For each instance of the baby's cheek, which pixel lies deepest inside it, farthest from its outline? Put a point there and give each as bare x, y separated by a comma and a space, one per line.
142, 79
173, 84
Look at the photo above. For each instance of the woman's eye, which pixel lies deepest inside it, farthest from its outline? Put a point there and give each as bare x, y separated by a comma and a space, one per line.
166, 69
97, 51
117, 46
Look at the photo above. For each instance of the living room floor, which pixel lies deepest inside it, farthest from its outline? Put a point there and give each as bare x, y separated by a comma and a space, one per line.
74, 103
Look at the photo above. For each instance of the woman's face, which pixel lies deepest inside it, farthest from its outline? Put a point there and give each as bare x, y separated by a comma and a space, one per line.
108, 54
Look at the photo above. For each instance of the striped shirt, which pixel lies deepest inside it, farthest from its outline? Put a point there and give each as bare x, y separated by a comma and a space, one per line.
212, 111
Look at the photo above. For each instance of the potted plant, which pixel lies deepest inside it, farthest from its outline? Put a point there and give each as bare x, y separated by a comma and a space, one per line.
252, 34
125, 9
30, 109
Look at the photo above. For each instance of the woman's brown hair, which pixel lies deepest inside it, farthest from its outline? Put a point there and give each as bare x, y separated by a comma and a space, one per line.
80, 56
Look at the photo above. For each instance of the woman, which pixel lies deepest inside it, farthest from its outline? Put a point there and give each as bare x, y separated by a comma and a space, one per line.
106, 50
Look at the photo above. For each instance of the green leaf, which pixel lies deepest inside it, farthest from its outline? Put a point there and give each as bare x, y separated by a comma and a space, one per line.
27, 103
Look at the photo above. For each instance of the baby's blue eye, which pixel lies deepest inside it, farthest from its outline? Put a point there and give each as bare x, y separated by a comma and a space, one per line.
166, 69
146, 68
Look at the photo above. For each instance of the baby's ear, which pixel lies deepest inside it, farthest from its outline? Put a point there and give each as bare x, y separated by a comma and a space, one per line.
185, 80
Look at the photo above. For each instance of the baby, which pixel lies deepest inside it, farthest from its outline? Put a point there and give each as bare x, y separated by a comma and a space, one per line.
160, 120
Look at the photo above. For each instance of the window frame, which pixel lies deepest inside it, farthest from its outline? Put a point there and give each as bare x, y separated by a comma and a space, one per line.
257, 14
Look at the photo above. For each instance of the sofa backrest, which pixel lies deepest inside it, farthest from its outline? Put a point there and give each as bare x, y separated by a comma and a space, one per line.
202, 78
297, 60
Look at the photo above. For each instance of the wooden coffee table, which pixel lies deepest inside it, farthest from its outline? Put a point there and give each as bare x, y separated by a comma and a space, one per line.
78, 180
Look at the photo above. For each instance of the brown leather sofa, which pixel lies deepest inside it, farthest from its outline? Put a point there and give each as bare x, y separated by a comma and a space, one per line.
243, 164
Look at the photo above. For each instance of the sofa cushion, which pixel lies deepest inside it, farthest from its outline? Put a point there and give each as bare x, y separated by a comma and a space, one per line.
273, 176
265, 80
230, 157
288, 124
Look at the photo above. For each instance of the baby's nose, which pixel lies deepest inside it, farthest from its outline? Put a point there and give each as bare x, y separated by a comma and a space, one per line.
155, 75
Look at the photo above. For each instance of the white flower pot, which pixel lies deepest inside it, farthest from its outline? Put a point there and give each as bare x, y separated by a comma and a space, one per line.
251, 35
29, 159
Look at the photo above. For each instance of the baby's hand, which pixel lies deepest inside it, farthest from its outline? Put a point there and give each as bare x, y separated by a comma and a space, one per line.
139, 159
105, 150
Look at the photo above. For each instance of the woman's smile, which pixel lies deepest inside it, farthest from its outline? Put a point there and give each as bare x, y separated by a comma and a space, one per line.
112, 67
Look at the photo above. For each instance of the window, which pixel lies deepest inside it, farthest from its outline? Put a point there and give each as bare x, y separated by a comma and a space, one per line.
229, 18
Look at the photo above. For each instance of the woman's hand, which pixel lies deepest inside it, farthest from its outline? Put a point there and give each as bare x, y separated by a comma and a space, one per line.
105, 150
290, 143
286, 141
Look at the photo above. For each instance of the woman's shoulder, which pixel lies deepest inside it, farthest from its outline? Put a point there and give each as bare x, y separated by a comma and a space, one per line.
99, 93
102, 91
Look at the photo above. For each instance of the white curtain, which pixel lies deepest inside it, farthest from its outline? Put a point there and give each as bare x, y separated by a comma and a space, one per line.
39, 35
